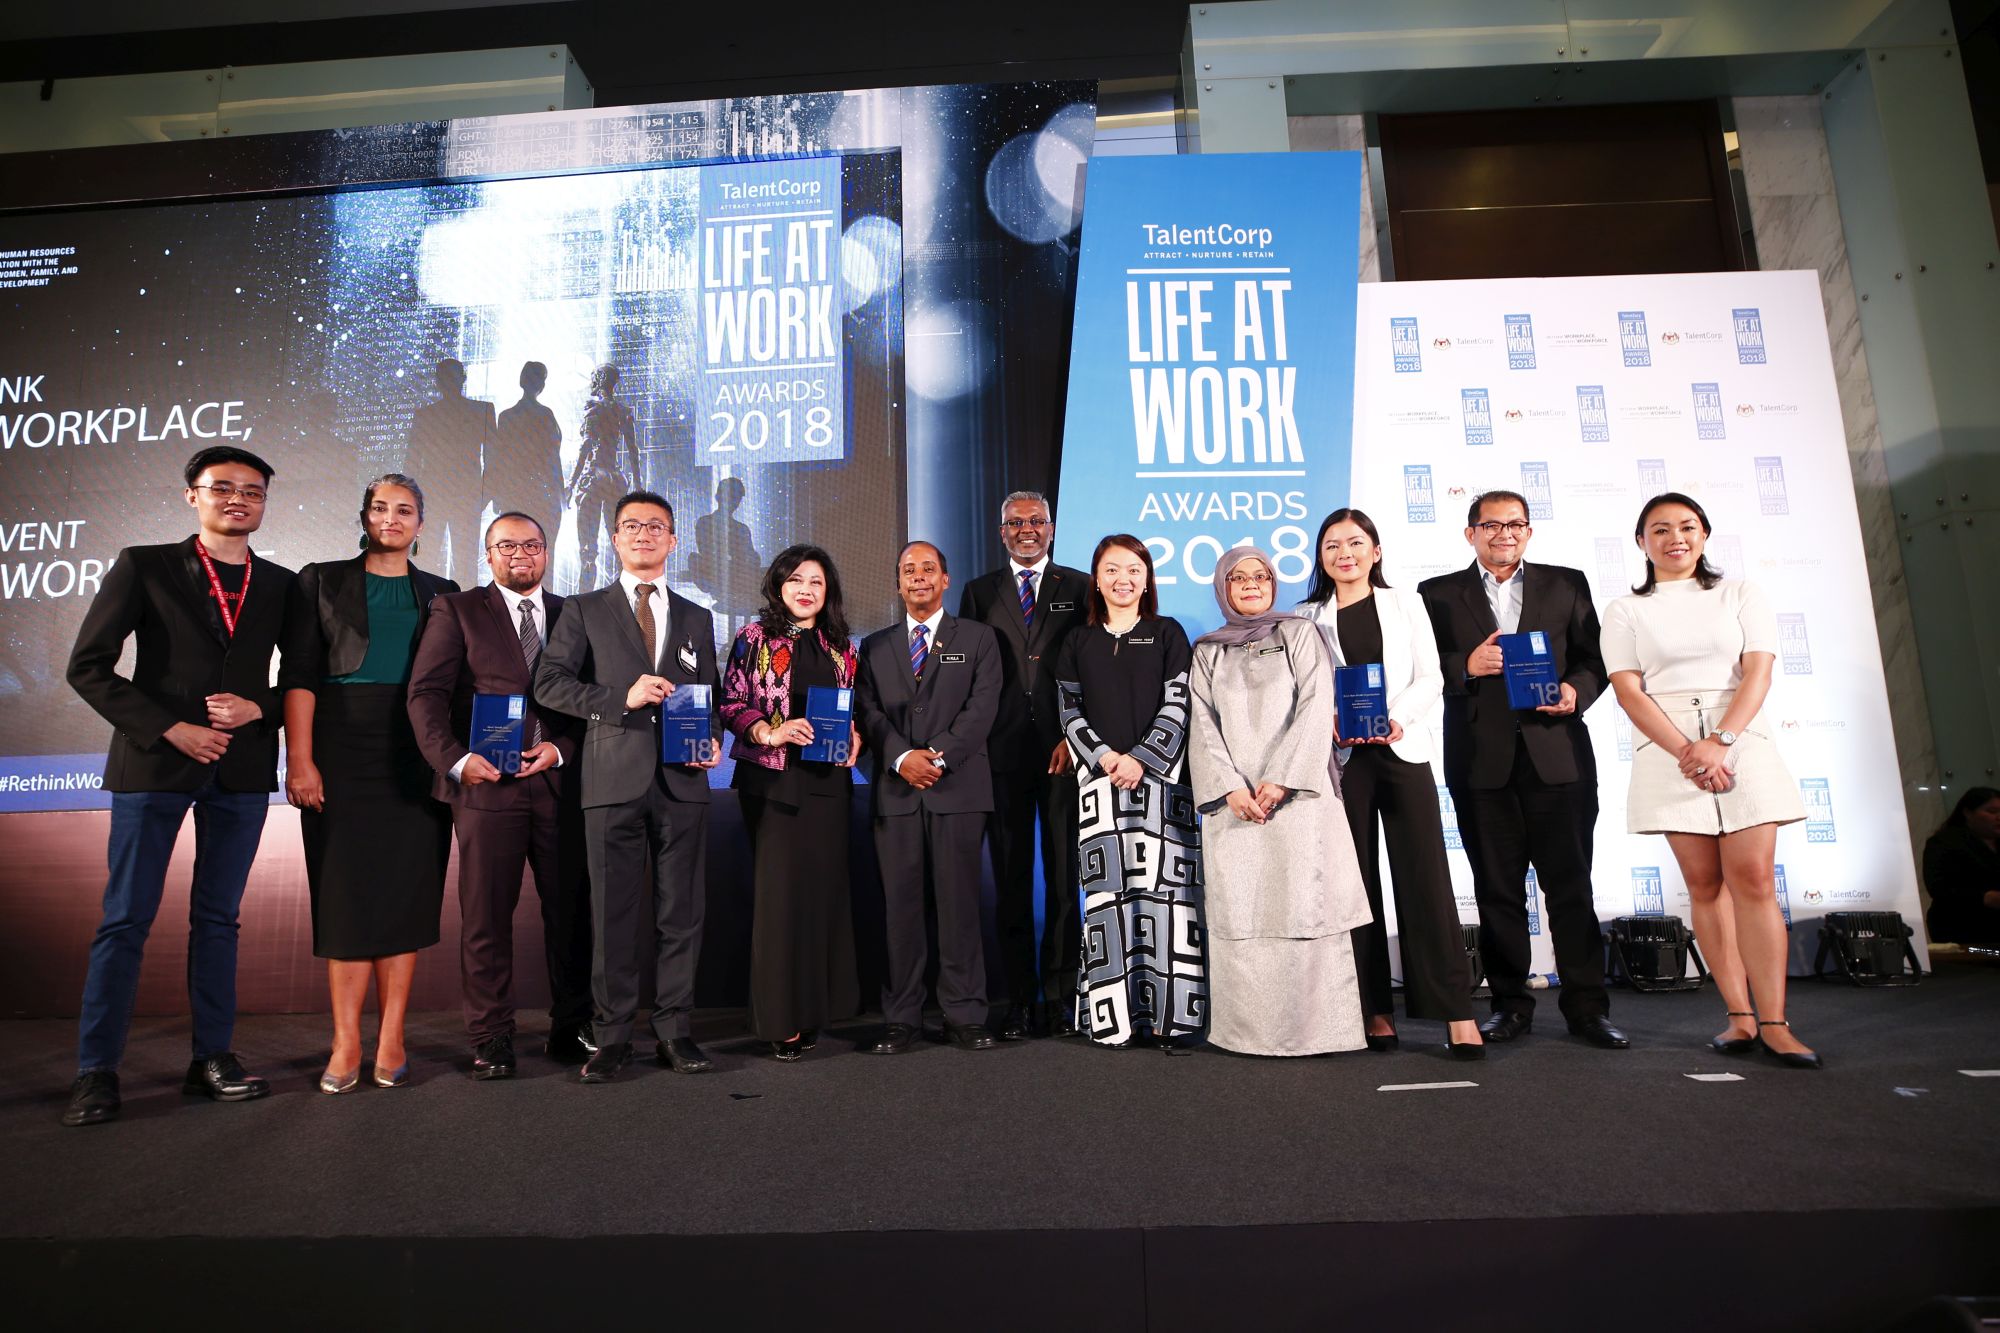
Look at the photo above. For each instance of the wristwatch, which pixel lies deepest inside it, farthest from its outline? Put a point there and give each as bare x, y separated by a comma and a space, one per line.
1726, 737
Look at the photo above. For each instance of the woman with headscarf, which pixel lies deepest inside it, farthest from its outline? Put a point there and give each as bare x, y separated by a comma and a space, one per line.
1284, 887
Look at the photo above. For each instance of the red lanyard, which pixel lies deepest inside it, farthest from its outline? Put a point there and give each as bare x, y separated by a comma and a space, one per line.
229, 617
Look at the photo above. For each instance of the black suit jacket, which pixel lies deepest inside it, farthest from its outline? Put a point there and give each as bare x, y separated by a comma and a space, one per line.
1029, 726
593, 655
951, 711
160, 595
1479, 727
470, 645
326, 620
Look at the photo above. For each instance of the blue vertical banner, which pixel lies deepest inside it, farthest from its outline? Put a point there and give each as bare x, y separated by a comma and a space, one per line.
770, 347
1211, 379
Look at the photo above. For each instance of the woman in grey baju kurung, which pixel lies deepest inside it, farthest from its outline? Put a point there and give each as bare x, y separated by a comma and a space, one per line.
1284, 887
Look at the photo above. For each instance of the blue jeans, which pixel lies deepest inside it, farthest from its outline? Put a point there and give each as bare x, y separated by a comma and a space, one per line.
144, 825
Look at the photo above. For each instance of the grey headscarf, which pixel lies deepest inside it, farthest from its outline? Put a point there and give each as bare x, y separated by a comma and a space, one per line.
1238, 629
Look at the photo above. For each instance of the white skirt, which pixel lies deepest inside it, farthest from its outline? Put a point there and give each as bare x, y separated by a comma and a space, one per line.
1661, 800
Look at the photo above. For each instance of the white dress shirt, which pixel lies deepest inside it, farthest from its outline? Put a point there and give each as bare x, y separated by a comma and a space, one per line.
1504, 598
930, 644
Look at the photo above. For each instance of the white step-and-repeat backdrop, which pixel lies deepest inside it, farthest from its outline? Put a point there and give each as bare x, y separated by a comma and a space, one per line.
1590, 395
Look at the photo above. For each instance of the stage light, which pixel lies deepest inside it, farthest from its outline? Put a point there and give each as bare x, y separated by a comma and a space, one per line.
1651, 953
1870, 948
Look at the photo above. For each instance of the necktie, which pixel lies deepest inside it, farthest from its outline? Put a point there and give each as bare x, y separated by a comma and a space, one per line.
920, 652
1028, 598
531, 651
646, 591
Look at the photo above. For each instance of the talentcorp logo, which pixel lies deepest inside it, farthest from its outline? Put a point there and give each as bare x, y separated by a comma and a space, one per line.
1404, 345
1535, 485
1708, 411
1592, 415
1520, 342
1632, 337
1649, 895
1818, 797
1419, 503
1448, 816
1534, 895
1793, 648
1749, 336
1477, 405
1784, 894
1771, 495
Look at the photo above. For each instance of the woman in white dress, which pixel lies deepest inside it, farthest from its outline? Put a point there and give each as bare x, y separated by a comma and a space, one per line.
1690, 656
1282, 884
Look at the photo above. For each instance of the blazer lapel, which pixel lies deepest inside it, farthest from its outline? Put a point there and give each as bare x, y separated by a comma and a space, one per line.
620, 609
507, 629
945, 634
1474, 592
1047, 589
194, 582
1535, 591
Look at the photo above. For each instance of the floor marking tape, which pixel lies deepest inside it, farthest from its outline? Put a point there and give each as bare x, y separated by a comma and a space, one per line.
1421, 1087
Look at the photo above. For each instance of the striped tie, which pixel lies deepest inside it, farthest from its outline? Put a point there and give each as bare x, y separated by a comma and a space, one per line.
920, 652
531, 650
1028, 598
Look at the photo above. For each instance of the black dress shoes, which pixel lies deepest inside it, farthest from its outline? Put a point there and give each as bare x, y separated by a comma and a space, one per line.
221, 1078
896, 1038
681, 1055
1597, 1030
1505, 1025
1386, 1043
93, 1098
790, 1051
970, 1037
570, 1045
1014, 1025
494, 1057
1062, 1018
605, 1062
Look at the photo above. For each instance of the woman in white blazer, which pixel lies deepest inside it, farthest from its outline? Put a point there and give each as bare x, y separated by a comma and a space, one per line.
1387, 784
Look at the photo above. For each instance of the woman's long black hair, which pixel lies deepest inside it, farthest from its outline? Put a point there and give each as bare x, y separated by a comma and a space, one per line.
777, 619
1705, 574
1973, 798
1321, 588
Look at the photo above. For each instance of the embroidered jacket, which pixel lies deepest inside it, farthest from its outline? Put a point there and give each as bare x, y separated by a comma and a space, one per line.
757, 687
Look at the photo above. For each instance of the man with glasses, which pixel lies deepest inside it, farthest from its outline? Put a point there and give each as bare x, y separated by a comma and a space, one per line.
1032, 603
195, 725
487, 641
612, 659
1524, 782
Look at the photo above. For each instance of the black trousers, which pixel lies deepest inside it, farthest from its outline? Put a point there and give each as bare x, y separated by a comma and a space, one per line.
1019, 796
948, 844
1549, 826
1384, 793
654, 848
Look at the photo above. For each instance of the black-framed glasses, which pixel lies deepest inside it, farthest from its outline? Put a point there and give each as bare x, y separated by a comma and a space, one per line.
1513, 527
227, 490
632, 527
1033, 524
534, 546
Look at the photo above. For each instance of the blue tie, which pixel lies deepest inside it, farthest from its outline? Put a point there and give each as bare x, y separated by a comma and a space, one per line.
1028, 598
920, 652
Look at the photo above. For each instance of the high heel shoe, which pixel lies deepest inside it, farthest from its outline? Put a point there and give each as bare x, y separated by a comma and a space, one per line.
334, 1084
1387, 1042
1728, 1045
1465, 1050
1793, 1059
790, 1051
395, 1078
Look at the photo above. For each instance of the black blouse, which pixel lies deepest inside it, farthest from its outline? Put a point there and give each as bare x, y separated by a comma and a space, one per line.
1120, 683
1359, 626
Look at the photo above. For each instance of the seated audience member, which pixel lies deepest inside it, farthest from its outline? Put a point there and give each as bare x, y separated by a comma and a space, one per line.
1962, 871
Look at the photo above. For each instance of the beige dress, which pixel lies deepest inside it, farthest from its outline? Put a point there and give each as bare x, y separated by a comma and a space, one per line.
1282, 895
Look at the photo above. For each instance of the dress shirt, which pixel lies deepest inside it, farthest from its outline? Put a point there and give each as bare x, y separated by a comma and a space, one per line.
930, 642
1504, 598
538, 613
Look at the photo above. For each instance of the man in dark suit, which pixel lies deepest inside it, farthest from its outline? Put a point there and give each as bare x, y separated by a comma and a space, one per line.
928, 692
1524, 782
449, 439
1031, 603
487, 641
611, 659
196, 725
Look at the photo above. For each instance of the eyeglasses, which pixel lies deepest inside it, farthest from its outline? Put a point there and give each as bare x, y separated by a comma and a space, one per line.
521, 548
632, 527
1036, 524
1513, 527
222, 490
1250, 580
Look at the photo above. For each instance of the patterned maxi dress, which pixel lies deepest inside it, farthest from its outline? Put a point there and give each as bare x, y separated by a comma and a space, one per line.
1139, 851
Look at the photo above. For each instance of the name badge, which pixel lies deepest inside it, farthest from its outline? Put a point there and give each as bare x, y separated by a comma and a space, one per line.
687, 657
951, 657
1266, 652
1142, 642
1062, 606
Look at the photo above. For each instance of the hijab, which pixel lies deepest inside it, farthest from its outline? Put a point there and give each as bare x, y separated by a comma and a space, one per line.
1238, 629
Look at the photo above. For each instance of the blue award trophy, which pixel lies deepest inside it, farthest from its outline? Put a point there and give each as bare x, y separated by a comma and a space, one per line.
831, 713
685, 734
498, 726
1362, 703
1530, 669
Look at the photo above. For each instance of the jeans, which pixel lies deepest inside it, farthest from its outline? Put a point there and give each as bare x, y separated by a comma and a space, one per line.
144, 825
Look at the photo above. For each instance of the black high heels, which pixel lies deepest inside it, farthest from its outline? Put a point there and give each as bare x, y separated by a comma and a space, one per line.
1386, 1043
1728, 1045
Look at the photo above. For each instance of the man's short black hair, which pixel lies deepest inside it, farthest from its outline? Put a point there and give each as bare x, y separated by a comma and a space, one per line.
514, 513
643, 498
223, 453
1484, 498
944, 566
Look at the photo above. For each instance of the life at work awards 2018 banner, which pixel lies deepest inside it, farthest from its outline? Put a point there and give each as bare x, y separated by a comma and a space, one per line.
1212, 368
1589, 396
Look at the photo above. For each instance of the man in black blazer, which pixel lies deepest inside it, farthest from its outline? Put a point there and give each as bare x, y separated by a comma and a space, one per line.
1524, 782
928, 692
645, 821
487, 641
196, 724
1032, 603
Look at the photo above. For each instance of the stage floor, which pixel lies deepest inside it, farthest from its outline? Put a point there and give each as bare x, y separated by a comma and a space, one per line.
1044, 1136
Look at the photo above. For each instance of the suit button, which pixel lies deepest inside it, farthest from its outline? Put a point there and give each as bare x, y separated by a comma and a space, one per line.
1695, 703
920, 708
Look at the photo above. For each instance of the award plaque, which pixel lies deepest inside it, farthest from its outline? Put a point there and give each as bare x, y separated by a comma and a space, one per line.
498, 724
1362, 703
831, 713
1530, 669
686, 734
